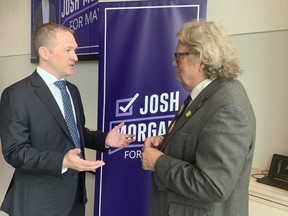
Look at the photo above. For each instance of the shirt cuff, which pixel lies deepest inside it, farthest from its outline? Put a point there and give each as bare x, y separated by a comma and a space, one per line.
64, 170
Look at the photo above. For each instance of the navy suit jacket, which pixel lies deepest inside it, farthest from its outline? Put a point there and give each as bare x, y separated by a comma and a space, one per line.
38, 18
35, 138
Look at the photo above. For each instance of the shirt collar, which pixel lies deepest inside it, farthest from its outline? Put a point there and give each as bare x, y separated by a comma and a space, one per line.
48, 78
197, 89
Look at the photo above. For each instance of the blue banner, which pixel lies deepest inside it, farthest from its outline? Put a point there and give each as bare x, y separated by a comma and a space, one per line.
137, 85
79, 15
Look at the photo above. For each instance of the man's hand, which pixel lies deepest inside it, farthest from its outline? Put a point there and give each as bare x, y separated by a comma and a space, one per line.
150, 152
73, 161
153, 141
117, 140
149, 157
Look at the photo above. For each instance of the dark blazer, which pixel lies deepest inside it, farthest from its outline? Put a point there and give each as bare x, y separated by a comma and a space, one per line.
208, 155
38, 17
35, 138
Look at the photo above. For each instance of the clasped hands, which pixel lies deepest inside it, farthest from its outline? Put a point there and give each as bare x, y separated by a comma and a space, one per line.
150, 152
113, 139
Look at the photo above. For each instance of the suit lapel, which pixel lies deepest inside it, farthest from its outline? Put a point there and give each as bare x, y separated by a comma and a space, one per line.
42, 90
192, 109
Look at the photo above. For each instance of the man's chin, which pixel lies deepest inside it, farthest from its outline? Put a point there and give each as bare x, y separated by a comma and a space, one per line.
70, 73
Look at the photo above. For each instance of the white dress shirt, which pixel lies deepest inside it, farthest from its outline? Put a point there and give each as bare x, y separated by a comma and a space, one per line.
49, 80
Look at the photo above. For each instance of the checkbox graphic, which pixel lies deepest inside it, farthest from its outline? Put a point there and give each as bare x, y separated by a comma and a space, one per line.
124, 107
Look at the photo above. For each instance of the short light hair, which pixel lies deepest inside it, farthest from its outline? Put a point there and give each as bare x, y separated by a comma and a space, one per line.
214, 47
45, 35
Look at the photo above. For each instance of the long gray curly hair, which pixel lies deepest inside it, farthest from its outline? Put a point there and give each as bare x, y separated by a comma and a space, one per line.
214, 47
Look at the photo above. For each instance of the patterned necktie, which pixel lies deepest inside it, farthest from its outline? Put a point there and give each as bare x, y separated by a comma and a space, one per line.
68, 113
180, 112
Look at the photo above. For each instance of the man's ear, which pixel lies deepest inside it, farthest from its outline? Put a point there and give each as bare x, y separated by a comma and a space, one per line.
44, 53
202, 66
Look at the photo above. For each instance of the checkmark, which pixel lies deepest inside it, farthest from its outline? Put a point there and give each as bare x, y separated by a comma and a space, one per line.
124, 109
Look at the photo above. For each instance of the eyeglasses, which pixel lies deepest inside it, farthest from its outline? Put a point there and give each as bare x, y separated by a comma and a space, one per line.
180, 55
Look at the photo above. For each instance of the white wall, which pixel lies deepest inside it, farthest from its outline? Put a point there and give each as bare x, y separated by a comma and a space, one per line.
264, 59
247, 16
259, 29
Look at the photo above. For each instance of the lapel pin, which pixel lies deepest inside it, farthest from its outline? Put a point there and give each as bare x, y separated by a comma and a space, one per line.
188, 113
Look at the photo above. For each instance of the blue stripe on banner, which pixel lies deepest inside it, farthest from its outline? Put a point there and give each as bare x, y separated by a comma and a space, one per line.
136, 85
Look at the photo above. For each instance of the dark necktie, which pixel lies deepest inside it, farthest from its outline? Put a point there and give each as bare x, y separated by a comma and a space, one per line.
68, 113
180, 112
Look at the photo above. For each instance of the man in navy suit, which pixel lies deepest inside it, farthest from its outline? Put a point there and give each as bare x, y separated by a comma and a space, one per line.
49, 177
45, 13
